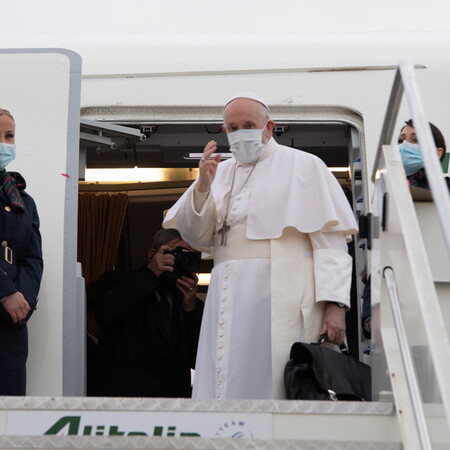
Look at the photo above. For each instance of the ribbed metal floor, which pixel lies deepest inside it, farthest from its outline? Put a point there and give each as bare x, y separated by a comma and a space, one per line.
269, 424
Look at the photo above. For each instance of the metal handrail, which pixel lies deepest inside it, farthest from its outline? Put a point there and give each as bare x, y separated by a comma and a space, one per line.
387, 131
405, 80
411, 379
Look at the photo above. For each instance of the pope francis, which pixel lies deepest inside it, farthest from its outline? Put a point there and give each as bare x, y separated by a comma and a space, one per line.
277, 223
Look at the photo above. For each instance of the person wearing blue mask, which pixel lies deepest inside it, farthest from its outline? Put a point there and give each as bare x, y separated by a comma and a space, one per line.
411, 154
21, 264
413, 164
276, 222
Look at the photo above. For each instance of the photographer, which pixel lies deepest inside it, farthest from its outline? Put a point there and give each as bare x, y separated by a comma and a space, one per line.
149, 323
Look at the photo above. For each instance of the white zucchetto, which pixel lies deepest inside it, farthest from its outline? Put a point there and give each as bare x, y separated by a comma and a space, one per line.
250, 96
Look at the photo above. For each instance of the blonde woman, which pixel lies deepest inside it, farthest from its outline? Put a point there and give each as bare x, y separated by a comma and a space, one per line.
20, 264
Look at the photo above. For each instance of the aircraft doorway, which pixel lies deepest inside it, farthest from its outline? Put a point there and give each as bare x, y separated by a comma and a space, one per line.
172, 150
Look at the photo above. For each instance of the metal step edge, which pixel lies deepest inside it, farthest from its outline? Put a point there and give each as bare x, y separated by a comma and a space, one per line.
195, 405
118, 442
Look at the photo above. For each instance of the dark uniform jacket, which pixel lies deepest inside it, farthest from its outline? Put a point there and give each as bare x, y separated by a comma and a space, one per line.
19, 230
419, 179
147, 345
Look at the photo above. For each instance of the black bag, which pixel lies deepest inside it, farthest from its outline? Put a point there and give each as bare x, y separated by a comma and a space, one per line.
318, 373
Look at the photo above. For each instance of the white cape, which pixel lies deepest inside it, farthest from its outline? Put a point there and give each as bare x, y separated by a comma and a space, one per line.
310, 201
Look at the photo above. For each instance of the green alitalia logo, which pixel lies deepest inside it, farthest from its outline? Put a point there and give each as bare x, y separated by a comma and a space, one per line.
71, 426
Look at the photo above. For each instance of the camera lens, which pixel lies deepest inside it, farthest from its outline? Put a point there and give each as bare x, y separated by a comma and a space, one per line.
186, 261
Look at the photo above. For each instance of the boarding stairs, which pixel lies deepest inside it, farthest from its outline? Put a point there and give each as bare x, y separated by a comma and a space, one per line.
410, 239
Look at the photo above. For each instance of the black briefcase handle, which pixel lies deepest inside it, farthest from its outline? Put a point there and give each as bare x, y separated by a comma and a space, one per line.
343, 347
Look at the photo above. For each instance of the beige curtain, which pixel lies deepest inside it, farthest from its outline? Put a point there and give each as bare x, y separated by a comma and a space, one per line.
100, 220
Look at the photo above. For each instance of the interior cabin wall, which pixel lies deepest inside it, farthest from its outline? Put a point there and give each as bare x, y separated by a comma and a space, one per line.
142, 220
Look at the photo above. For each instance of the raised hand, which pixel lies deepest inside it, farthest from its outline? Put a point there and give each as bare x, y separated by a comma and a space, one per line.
188, 287
207, 167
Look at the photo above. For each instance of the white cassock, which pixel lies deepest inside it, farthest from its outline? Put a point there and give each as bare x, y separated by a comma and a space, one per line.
285, 255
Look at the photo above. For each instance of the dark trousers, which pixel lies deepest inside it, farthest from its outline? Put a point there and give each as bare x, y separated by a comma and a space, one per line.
13, 357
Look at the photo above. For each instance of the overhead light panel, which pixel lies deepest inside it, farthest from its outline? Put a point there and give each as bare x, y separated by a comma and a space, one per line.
338, 169
140, 175
199, 156
125, 175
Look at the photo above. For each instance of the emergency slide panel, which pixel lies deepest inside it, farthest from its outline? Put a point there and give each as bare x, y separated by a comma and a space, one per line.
41, 88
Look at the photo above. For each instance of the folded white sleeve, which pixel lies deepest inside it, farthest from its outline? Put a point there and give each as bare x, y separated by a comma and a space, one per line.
200, 200
332, 267
195, 220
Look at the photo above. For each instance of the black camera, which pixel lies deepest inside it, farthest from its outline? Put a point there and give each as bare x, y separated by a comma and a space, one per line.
186, 263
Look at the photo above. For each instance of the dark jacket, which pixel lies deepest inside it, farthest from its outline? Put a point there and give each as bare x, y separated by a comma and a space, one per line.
419, 179
147, 346
20, 229
366, 308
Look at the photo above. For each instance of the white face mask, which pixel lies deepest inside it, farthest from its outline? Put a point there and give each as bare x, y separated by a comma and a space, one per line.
7, 154
246, 145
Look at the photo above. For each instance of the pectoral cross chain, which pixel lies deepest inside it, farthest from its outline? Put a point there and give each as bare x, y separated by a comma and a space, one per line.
223, 232
225, 227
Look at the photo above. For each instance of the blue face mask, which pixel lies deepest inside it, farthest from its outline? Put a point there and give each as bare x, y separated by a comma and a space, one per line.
411, 157
7, 154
